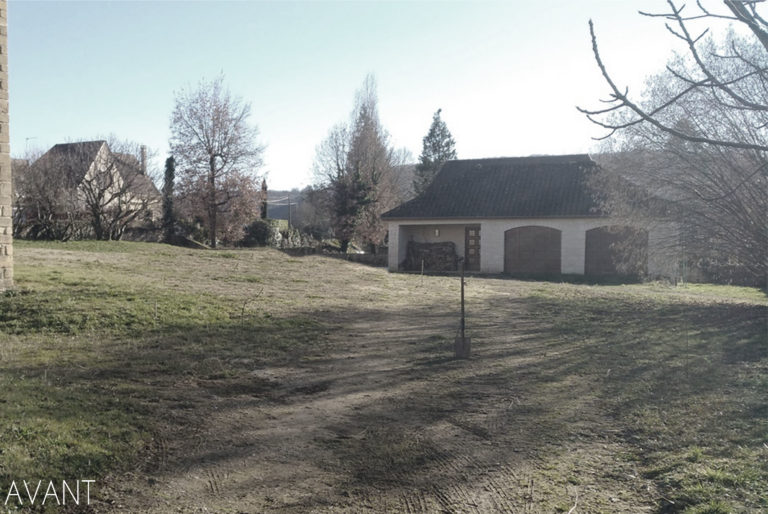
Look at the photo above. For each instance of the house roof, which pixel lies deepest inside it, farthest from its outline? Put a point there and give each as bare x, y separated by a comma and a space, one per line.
130, 169
72, 159
506, 187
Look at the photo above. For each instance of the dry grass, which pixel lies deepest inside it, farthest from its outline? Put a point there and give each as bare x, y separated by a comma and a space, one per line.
249, 380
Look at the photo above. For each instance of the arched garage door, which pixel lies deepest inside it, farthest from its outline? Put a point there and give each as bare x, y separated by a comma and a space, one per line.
616, 250
532, 250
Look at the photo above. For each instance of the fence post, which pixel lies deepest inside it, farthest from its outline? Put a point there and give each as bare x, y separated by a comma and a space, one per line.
462, 344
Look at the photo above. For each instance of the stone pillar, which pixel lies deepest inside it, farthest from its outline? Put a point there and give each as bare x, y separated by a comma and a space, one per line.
6, 234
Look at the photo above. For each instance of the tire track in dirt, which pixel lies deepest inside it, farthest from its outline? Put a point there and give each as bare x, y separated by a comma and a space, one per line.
459, 487
416, 503
498, 489
473, 477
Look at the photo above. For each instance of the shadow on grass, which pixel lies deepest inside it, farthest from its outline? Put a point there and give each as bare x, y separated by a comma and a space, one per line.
661, 380
93, 378
654, 377
672, 378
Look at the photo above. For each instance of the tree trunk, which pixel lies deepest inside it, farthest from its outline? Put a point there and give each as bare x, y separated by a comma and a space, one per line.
98, 232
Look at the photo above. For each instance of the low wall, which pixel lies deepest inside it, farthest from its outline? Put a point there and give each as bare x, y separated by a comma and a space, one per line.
369, 259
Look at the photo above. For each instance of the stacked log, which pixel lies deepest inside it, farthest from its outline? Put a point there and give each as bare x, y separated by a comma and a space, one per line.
434, 256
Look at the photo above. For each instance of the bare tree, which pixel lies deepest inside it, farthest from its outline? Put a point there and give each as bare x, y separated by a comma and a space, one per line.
83, 189
358, 165
733, 79
212, 139
373, 159
347, 192
117, 191
241, 208
697, 138
46, 202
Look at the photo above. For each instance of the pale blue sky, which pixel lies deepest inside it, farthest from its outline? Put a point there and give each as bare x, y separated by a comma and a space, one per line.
506, 74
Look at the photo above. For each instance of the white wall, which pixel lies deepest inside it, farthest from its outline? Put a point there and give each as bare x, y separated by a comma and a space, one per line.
395, 246
573, 232
423, 233
664, 252
573, 242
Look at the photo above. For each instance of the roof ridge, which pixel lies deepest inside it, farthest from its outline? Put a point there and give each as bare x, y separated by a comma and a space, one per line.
522, 157
81, 142
531, 186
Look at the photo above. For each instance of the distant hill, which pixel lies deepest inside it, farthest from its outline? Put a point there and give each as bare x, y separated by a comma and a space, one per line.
278, 200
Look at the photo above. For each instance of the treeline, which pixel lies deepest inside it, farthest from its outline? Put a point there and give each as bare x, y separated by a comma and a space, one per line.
212, 190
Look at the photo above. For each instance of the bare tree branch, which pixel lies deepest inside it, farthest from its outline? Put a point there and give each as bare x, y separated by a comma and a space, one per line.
211, 138
697, 142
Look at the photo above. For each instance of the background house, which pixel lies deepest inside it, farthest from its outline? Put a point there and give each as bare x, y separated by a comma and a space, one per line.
122, 175
524, 216
85, 189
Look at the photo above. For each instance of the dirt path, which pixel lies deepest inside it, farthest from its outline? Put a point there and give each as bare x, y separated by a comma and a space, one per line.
250, 381
387, 421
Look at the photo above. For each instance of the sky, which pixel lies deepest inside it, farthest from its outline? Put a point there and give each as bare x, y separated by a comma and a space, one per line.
507, 75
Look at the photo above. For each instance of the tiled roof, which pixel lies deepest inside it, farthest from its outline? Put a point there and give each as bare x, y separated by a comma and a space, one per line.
506, 187
130, 169
74, 159
71, 159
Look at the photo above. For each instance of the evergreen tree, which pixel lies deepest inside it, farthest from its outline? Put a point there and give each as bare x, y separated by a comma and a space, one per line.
438, 146
263, 199
350, 196
371, 167
169, 220
356, 165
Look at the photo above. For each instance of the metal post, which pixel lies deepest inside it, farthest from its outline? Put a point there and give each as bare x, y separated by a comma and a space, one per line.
461, 346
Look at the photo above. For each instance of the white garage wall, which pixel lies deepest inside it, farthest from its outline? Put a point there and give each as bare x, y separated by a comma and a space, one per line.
661, 262
573, 233
424, 233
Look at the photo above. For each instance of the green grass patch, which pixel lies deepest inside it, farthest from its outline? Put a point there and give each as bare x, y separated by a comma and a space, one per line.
92, 359
684, 374
95, 246
108, 348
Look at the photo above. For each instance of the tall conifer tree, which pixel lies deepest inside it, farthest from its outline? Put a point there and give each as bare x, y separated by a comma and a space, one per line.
356, 163
263, 209
438, 146
168, 218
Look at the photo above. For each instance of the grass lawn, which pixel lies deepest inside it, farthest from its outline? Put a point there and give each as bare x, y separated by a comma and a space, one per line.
244, 381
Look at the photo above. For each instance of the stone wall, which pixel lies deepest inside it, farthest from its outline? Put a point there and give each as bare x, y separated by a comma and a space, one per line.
6, 241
